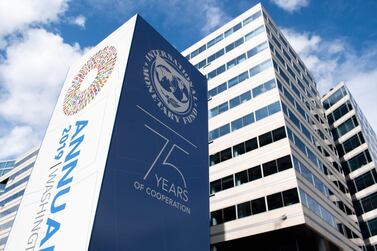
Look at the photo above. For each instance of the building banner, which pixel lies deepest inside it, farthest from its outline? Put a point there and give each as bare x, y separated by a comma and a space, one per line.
124, 162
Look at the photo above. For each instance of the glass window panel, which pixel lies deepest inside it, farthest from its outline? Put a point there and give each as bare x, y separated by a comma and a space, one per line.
238, 149
236, 124
215, 186
290, 197
244, 209
274, 108
241, 178
274, 201
234, 102
225, 154
248, 119
251, 144
245, 96
269, 168
225, 129
214, 159
227, 182
255, 173
229, 213
216, 217
284, 163
265, 139
261, 113
258, 206
278, 134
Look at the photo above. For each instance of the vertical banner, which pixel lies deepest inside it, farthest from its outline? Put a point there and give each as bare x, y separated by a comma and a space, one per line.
123, 164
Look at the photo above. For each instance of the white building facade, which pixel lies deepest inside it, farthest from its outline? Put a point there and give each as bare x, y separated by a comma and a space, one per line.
274, 171
13, 184
356, 143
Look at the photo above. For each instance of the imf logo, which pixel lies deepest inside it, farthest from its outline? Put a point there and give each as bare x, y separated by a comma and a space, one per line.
170, 86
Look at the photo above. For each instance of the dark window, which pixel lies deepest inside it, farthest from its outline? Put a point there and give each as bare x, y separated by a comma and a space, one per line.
364, 181
270, 168
274, 201
278, 134
229, 213
284, 163
226, 154
265, 139
244, 209
214, 159
255, 173
216, 217
290, 197
251, 144
238, 149
369, 203
227, 182
241, 178
258, 206
215, 186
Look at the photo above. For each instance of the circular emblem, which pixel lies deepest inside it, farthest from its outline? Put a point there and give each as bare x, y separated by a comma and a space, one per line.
170, 86
103, 63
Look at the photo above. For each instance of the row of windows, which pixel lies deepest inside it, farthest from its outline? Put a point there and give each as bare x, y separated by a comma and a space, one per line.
344, 128
6, 225
12, 197
363, 181
317, 183
339, 112
310, 91
334, 98
247, 146
297, 123
350, 144
305, 150
224, 35
366, 204
368, 228
9, 211
240, 78
244, 121
237, 60
316, 208
274, 201
242, 98
26, 158
251, 174
358, 161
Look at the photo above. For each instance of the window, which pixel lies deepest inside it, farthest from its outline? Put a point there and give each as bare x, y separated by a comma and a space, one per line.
244, 209
214, 159
225, 154
274, 201
369, 203
270, 168
238, 149
359, 160
261, 113
353, 142
254, 33
265, 139
258, 206
216, 217
334, 98
257, 49
261, 67
284, 163
251, 144
229, 213
290, 197
215, 186
278, 134
255, 173
346, 127
365, 180
227, 182
263, 88
241, 178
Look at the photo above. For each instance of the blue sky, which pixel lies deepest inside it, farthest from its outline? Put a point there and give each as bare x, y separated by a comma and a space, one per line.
39, 39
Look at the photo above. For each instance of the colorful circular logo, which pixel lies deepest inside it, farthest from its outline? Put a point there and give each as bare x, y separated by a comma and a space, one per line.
170, 86
103, 62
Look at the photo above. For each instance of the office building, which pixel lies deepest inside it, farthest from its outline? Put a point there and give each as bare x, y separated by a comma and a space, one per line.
356, 143
14, 177
275, 179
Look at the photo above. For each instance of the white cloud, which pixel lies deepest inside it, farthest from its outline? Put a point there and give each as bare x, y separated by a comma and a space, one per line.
334, 60
32, 74
16, 15
291, 5
214, 16
20, 139
80, 21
